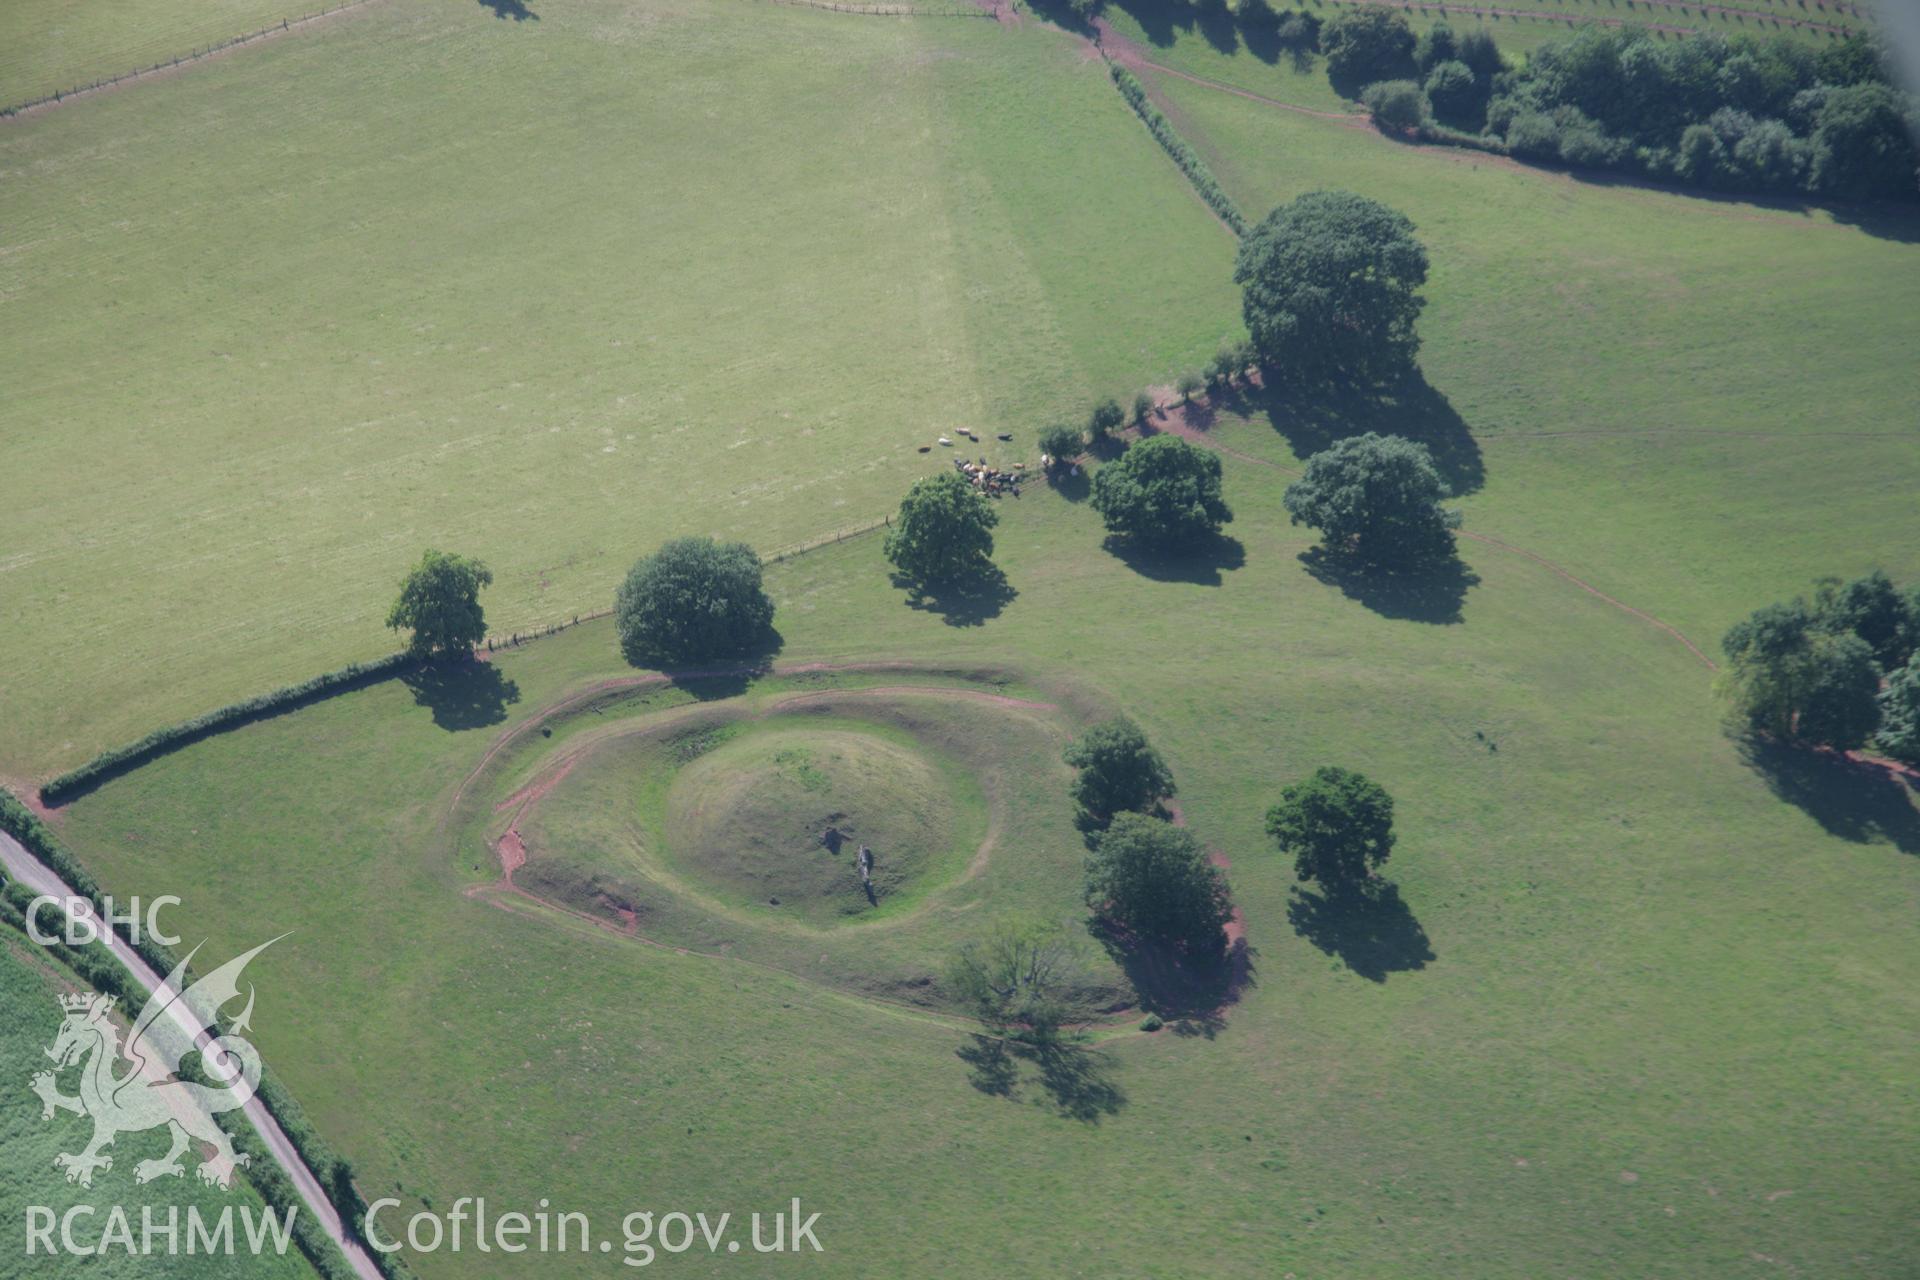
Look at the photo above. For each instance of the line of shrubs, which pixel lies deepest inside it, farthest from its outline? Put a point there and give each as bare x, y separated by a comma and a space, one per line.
112, 764
1752, 114
1176, 146
99, 969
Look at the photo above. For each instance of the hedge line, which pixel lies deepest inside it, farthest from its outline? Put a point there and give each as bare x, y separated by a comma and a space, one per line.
1176, 146
113, 763
104, 973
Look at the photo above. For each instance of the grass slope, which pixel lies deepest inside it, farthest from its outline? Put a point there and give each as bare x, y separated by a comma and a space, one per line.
1644, 1006
1697, 405
544, 292
1627, 979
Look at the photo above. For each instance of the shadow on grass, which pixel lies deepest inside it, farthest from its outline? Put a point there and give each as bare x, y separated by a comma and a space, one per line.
1851, 799
1077, 1081
1432, 594
1224, 28
722, 678
462, 694
1374, 934
1074, 486
969, 603
1189, 993
515, 9
1313, 420
1202, 564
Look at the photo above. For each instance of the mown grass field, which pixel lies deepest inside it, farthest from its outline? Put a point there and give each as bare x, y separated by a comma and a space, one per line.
49, 46
30, 987
1647, 1009
443, 287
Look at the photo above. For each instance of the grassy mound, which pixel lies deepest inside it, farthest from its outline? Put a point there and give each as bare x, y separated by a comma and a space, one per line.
753, 820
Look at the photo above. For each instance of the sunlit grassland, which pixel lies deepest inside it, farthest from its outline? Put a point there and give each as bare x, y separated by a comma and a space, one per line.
546, 293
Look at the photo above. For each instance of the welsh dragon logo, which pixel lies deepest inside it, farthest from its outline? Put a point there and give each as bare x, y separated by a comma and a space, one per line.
148, 1093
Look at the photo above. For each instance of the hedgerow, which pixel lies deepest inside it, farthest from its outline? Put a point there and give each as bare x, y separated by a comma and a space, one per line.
112, 763
1183, 155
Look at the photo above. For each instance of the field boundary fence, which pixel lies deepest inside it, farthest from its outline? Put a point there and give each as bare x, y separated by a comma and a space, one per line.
197, 54
519, 636
885, 10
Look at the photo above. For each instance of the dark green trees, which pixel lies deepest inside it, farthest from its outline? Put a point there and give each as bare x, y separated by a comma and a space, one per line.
1338, 825
1330, 286
1163, 492
1107, 417
440, 602
943, 534
1900, 713
1376, 498
693, 600
1153, 880
1366, 43
1119, 769
1812, 673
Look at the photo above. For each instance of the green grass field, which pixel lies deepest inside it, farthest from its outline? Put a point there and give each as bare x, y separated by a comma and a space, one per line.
49, 46
549, 337
30, 987
1644, 1003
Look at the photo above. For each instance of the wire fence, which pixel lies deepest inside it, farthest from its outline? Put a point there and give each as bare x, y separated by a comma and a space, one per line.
887, 10
178, 60
535, 631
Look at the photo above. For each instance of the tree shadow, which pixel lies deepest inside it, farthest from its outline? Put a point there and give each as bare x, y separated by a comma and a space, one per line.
1373, 934
1074, 486
1188, 992
990, 1068
1882, 219
515, 9
1316, 419
724, 678
1201, 564
1432, 594
1851, 799
1078, 1081
463, 693
971, 602
1062, 14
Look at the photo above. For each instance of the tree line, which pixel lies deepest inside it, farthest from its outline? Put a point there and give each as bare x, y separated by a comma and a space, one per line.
1740, 113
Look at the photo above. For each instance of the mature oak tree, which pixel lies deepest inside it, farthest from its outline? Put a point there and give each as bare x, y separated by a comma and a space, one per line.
1338, 825
1330, 286
440, 602
1163, 492
1378, 498
944, 532
1118, 769
1153, 880
693, 600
